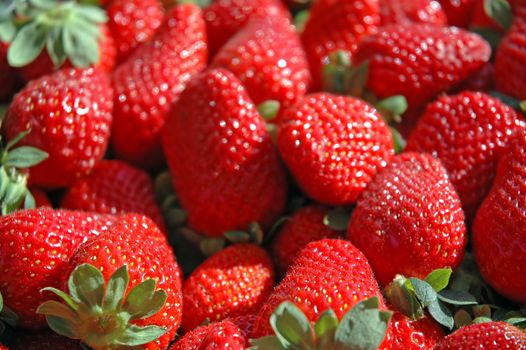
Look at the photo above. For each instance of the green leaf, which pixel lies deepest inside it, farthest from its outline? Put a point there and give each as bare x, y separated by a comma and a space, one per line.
116, 289
61, 326
134, 335
400, 293
399, 142
86, 284
325, 329
25, 157
424, 292
337, 219
9, 317
237, 236
499, 11
80, 46
92, 14
397, 105
65, 297
441, 314
143, 300
16, 139
4, 182
55, 47
300, 20
457, 297
291, 325
482, 320
358, 79
56, 309
29, 201
267, 343
269, 109
14, 195
439, 279
27, 45
210, 246
7, 30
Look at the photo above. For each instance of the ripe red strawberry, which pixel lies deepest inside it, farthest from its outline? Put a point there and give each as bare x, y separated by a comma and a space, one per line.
132, 23
412, 11
114, 187
35, 246
483, 80
43, 340
234, 282
337, 25
400, 64
69, 114
334, 145
134, 241
487, 336
216, 336
149, 82
224, 18
225, 168
305, 226
411, 214
458, 12
3, 347
327, 274
404, 333
267, 57
7, 75
468, 132
480, 18
499, 231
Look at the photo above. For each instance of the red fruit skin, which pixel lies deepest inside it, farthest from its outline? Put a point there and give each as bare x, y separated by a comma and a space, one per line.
411, 213
35, 246
499, 229
137, 242
480, 19
337, 25
412, 11
225, 168
41, 198
483, 80
459, 12
305, 226
268, 58
43, 65
327, 274
216, 336
8, 75
468, 132
224, 18
45, 339
149, 82
487, 336
69, 114
114, 187
404, 333
234, 282
334, 145
399, 64
132, 23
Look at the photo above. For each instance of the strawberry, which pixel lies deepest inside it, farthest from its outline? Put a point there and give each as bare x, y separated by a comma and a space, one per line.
487, 336
411, 214
336, 25
404, 333
151, 79
134, 251
220, 335
8, 75
234, 282
458, 12
35, 246
225, 168
41, 198
411, 11
269, 60
224, 18
468, 132
499, 236
483, 80
305, 226
43, 340
69, 115
114, 187
132, 23
334, 145
327, 274
398, 63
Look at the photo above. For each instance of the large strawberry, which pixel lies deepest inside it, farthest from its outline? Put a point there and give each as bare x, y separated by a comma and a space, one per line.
409, 220
334, 145
399, 64
69, 115
151, 79
337, 25
143, 293
269, 60
225, 168
220, 335
114, 187
468, 133
412, 11
35, 246
43, 340
499, 229
7, 75
487, 336
458, 12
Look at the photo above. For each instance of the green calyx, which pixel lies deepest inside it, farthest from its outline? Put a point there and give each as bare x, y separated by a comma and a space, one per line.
269, 109
101, 316
7, 316
362, 328
337, 219
500, 12
66, 29
13, 180
337, 72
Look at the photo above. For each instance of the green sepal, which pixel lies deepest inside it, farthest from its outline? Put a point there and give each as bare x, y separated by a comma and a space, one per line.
267, 343
336, 72
500, 12
25, 157
6, 316
357, 79
337, 219
439, 279
392, 108
210, 246
325, 329
269, 109
253, 234
399, 142
300, 20
292, 326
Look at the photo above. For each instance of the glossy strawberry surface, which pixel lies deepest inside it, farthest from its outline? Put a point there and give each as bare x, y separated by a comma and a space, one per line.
412, 11
487, 336
216, 336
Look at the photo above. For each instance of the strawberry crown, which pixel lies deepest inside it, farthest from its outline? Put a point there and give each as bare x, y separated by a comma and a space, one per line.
363, 327
7, 316
101, 315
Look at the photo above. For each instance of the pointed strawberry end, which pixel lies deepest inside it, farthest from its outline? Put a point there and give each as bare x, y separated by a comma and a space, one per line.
102, 316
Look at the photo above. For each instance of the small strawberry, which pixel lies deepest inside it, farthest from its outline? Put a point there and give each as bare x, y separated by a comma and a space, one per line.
406, 334
69, 115
225, 168
114, 187
35, 246
143, 297
132, 23
458, 12
216, 336
412, 11
337, 25
334, 145
8, 75
224, 18
499, 235
411, 214
234, 282
305, 226
149, 82
43, 340
468, 132
487, 336
269, 60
